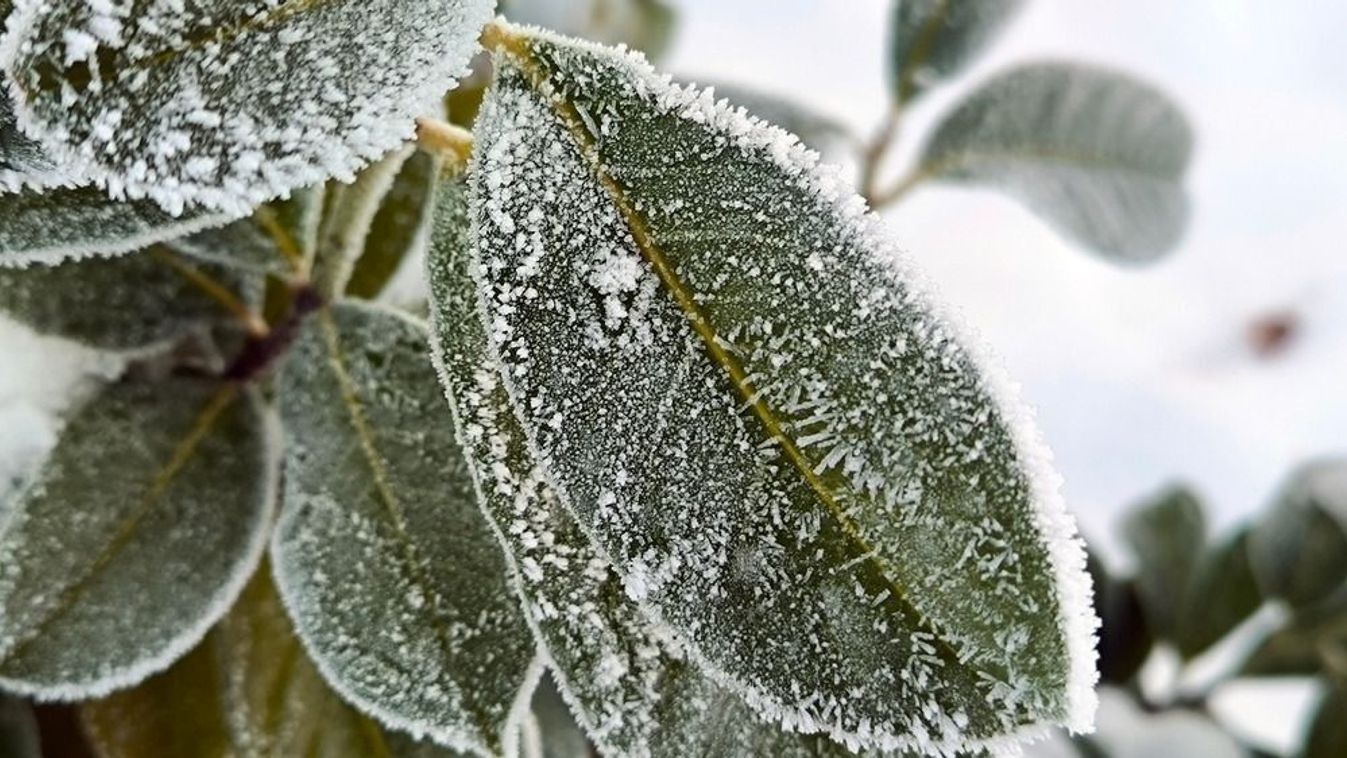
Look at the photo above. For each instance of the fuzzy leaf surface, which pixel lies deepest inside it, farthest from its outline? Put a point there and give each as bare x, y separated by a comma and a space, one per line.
932, 40
64, 223
741, 393
817, 130
228, 105
1096, 153
124, 303
246, 690
134, 537
634, 697
395, 582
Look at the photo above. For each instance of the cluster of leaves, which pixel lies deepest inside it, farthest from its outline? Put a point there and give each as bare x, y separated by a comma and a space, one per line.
681, 428
1268, 600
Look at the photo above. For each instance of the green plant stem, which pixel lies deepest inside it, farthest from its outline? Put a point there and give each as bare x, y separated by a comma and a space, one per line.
901, 188
874, 152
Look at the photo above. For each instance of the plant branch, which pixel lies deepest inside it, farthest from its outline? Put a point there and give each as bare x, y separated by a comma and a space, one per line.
876, 150
901, 188
261, 352
252, 321
452, 142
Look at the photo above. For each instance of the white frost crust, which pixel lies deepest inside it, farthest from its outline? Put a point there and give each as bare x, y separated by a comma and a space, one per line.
193, 633
380, 132
1060, 536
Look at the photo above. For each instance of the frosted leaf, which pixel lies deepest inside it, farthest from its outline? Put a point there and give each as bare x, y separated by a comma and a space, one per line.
1098, 154
399, 229
391, 574
932, 40
131, 302
558, 734
64, 223
741, 392
819, 131
225, 104
18, 729
634, 695
349, 211
134, 537
280, 237
246, 690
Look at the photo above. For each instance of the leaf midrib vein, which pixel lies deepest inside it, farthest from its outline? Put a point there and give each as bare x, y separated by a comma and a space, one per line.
180, 457
701, 324
411, 559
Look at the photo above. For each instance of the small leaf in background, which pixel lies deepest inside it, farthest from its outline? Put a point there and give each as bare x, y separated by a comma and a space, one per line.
793, 462
399, 228
1299, 547
1301, 646
1166, 535
1221, 594
283, 96
18, 729
131, 302
820, 132
645, 25
246, 690
1125, 639
1328, 731
635, 698
134, 537
392, 575
59, 224
932, 40
1098, 154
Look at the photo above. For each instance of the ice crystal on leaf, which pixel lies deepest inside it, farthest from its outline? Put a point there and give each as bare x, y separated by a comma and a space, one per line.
634, 696
392, 576
792, 460
225, 104
134, 537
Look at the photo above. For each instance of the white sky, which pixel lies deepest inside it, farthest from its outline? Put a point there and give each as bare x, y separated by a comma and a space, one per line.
1140, 377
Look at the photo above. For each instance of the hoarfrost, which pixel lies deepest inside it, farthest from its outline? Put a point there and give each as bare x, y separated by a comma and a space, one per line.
227, 105
799, 468
115, 559
632, 691
391, 574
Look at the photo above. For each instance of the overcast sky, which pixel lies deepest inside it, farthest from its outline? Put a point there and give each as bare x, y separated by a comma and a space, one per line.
1140, 377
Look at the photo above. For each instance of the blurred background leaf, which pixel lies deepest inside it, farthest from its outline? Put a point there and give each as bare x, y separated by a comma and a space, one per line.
932, 40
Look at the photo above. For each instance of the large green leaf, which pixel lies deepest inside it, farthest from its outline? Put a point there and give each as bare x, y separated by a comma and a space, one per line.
633, 696
134, 537
247, 690
51, 226
1098, 154
18, 729
131, 302
794, 463
392, 575
931, 40
1299, 547
1166, 535
228, 104
399, 229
